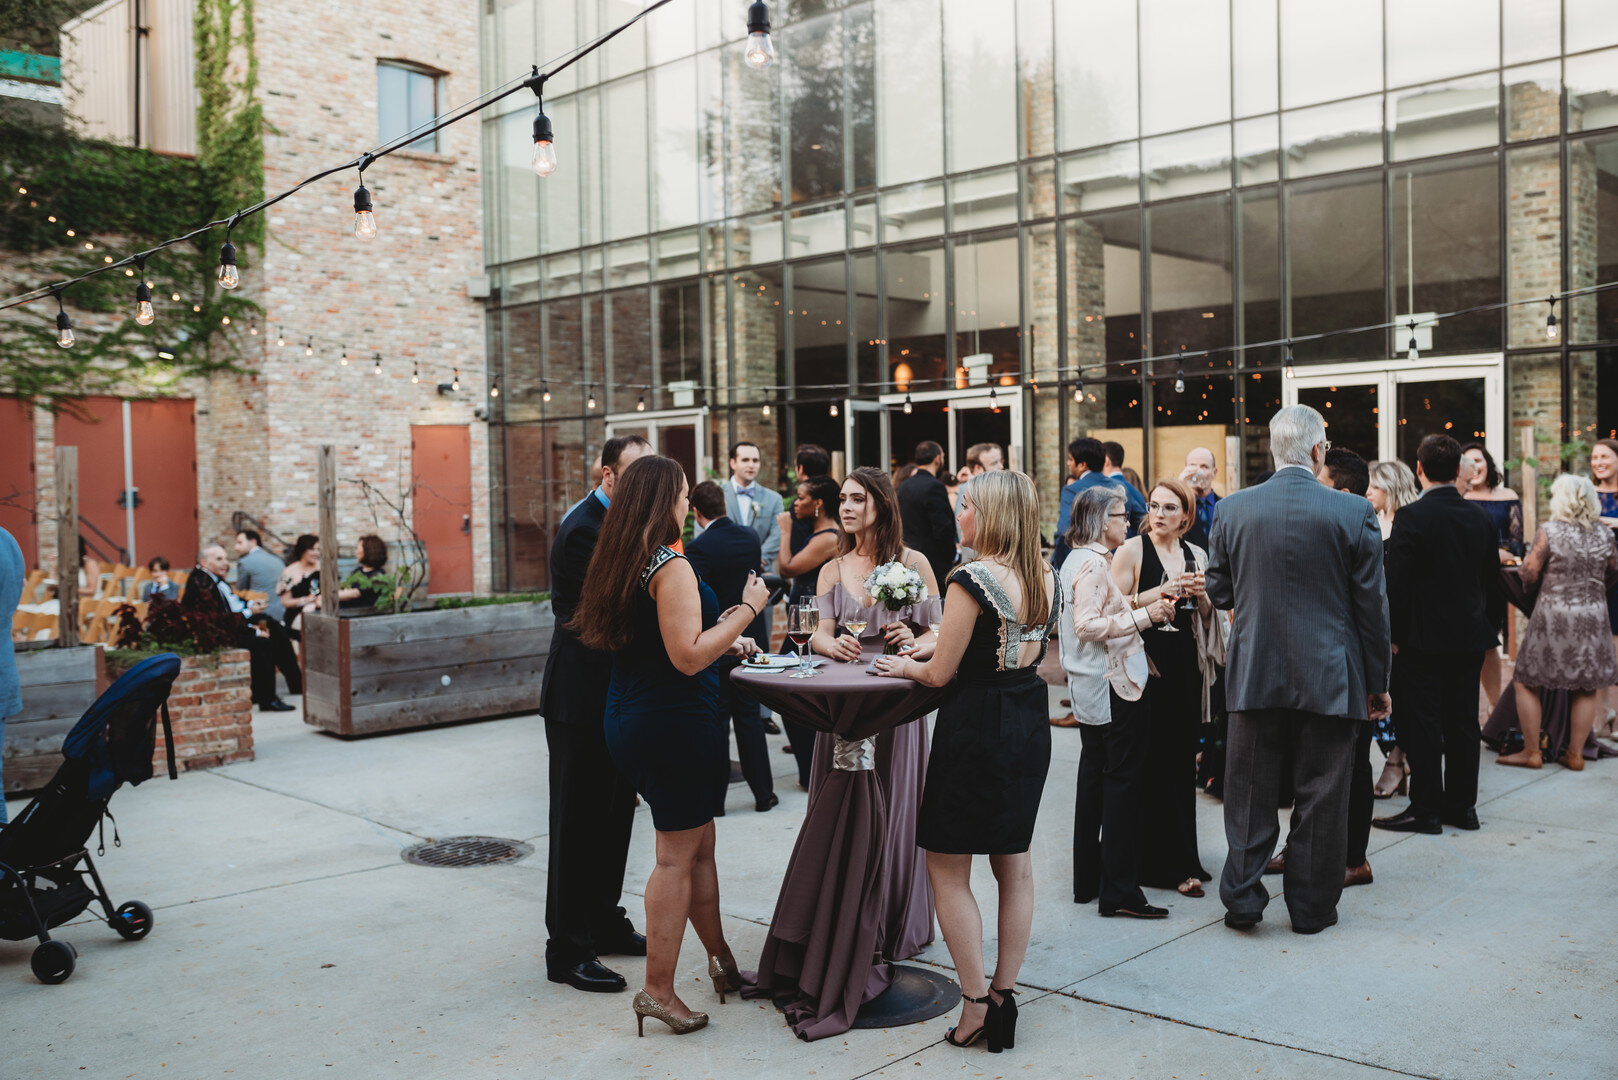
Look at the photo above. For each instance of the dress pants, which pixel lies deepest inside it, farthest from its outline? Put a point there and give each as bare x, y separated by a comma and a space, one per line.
1361, 798
265, 655
747, 718
1318, 752
592, 812
1107, 811
1437, 695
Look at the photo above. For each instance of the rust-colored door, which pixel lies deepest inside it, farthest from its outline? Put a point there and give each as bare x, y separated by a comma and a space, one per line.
98, 432
19, 499
441, 475
164, 451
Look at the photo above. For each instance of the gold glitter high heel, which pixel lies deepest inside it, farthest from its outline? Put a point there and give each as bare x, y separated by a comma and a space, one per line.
724, 979
646, 1005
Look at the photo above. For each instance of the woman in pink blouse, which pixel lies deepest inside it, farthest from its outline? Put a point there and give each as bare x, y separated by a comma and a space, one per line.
1107, 671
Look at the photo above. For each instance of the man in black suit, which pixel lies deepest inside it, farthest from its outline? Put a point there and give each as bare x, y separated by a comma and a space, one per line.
724, 555
265, 640
1444, 588
592, 805
924, 510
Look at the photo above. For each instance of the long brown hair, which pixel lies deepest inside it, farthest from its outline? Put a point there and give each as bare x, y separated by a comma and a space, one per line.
1007, 506
639, 521
887, 530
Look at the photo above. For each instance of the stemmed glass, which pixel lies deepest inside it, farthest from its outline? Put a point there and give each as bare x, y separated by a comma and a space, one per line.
802, 619
1171, 590
857, 620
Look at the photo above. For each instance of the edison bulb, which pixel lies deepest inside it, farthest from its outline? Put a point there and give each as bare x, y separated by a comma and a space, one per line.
64, 337
143, 312
544, 157
834, 408
760, 51
1179, 386
365, 224
229, 276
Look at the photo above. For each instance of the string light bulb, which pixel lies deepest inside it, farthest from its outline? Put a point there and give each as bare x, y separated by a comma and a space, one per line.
415, 372
455, 379
343, 359
229, 275
1414, 354
544, 161
64, 325
280, 337
1179, 381
1078, 393
252, 327
364, 219
376, 364
144, 315
590, 402
1551, 330
309, 347
544, 390
766, 403
833, 409
494, 387
640, 403
760, 49
908, 409
1287, 370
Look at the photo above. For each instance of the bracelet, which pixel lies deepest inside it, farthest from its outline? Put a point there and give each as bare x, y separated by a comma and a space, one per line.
751, 608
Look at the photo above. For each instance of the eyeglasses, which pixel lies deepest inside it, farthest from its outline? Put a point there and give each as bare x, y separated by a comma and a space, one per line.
1162, 508
1325, 445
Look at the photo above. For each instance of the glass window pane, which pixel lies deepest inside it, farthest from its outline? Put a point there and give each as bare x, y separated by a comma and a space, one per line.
670, 34
1199, 415
1353, 413
1329, 51
859, 36
590, 157
510, 48
916, 311
1592, 167
864, 224
679, 339
392, 103
558, 194
1096, 70
1191, 272
1253, 37
815, 232
1592, 91
1452, 407
1334, 247
628, 264
753, 153
759, 342
1534, 101
623, 157
984, 199
1532, 29
626, 52
756, 240
518, 219
679, 254
917, 210
1260, 274
423, 107
629, 354
910, 120
1036, 71
819, 325
1591, 24
1040, 293
812, 79
980, 73
1103, 292
867, 332
1533, 238
1431, 120
676, 145
1039, 189
1191, 39
1469, 33
987, 308
1330, 138
1188, 163
1258, 144
1446, 251
1101, 178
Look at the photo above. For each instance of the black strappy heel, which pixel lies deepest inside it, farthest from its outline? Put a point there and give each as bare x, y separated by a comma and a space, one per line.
988, 1023
1006, 1029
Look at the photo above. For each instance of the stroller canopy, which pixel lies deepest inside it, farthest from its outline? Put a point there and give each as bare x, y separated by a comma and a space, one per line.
115, 736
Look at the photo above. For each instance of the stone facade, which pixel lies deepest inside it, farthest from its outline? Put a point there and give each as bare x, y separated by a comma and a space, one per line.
211, 711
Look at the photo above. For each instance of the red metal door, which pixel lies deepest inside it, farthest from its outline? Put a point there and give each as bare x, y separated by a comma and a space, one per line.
99, 435
441, 475
19, 484
164, 448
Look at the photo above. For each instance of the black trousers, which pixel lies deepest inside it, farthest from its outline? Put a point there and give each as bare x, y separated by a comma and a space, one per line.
1361, 798
266, 654
1437, 698
747, 719
592, 812
1107, 811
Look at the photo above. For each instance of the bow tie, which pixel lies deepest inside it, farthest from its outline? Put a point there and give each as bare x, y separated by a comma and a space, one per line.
748, 491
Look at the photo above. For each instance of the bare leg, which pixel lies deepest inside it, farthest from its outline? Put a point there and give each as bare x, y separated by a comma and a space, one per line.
1584, 714
1491, 678
1015, 875
705, 901
668, 903
1528, 719
962, 924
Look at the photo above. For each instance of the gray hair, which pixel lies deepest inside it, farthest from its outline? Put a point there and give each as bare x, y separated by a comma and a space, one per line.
1574, 500
1090, 512
1294, 432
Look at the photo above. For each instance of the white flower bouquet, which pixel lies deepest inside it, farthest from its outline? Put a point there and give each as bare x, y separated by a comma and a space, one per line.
895, 585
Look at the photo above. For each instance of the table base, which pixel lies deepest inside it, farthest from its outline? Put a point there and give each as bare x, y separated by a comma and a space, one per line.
914, 995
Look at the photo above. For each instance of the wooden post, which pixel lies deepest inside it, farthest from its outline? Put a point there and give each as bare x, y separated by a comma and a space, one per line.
1530, 480
328, 530
67, 545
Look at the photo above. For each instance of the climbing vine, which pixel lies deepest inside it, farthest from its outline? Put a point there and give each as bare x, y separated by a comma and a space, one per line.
70, 203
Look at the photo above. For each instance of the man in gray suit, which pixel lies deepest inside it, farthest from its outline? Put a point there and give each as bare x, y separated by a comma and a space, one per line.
1301, 566
750, 503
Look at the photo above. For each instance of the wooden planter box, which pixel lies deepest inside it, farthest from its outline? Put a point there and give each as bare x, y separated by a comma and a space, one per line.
211, 709
389, 672
58, 685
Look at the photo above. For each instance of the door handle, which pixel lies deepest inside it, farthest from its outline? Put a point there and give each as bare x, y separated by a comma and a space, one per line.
466, 524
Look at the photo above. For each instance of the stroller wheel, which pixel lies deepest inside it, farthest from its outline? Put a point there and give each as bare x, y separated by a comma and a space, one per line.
53, 961
132, 920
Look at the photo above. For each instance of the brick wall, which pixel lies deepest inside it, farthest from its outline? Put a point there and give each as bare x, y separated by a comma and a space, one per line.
211, 710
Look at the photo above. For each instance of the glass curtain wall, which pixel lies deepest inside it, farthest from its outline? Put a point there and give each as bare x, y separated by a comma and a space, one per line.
938, 196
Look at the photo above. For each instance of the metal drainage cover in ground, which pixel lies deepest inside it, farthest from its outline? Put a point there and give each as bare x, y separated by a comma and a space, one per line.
456, 852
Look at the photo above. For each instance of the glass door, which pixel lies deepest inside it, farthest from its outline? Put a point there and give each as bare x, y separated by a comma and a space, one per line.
865, 435
675, 433
1352, 408
955, 420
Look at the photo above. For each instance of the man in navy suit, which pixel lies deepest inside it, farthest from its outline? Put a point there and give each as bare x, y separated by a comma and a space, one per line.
592, 805
723, 555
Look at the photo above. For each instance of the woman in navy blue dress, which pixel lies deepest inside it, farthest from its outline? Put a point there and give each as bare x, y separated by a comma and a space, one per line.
643, 603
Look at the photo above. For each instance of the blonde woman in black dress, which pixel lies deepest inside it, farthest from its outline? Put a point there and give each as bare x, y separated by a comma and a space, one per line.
991, 742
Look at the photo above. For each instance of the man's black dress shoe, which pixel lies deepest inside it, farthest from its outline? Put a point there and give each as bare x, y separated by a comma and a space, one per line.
1139, 911
771, 727
591, 976
1466, 819
1296, 929
276, 705
630, 944
1409, 822
765, 804
1241, 920
1083, 897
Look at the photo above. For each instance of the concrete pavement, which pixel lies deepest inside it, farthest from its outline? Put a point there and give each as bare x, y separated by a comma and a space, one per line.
290, 937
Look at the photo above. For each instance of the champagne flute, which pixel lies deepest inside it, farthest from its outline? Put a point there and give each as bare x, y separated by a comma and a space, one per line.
856, 622
801, 622
1170, 590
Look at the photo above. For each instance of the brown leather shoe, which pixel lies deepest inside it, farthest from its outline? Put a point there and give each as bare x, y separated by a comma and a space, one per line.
1278, 864
1358, 875
1064, 721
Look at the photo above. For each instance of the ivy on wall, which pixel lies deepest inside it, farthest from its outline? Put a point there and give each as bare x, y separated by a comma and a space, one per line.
69, 203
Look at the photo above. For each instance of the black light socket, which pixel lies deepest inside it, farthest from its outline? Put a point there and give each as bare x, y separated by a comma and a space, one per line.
758, 18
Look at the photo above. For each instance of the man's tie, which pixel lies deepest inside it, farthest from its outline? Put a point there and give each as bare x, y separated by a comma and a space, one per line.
748, 491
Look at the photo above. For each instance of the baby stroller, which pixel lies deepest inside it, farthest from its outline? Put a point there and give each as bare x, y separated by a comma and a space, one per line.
45, 868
